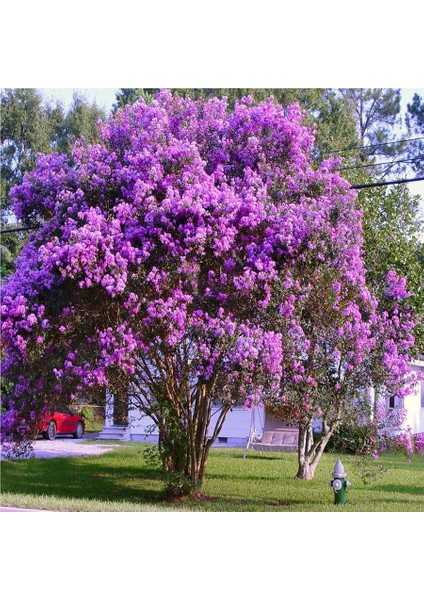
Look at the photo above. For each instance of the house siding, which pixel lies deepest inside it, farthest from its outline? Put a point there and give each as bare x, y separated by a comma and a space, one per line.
413, 402
236, 428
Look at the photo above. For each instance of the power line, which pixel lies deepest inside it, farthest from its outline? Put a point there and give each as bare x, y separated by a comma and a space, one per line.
381, 183
390, 162
16, 229
340, 151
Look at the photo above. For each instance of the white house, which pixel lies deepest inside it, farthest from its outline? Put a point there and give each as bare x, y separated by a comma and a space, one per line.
414, 402
241, 424
140, 428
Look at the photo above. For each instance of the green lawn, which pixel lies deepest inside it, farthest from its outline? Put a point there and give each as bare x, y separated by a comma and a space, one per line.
123, 480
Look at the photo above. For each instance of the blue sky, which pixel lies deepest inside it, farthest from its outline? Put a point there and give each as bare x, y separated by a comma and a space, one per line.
104, 97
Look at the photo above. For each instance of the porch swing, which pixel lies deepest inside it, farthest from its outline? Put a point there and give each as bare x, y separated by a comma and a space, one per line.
276, 435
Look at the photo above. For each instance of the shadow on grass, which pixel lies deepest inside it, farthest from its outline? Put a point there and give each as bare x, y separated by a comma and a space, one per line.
276, 456
95, 479
109, 478
244, 477
230, 504
401, 489
79, 479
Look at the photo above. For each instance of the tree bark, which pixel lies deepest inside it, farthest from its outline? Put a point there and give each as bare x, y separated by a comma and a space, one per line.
185, 441
309, 453
305, 469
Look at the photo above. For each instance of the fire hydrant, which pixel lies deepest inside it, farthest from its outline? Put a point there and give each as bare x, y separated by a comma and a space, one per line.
339, 483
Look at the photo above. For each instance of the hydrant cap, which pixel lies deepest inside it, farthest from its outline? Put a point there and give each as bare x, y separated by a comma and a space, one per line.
339, 469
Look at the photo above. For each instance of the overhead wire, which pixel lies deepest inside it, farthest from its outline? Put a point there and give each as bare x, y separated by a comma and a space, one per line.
16, 229
343, 150
390, 162
382, 183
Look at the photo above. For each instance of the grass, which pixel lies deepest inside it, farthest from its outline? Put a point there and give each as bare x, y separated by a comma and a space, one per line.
123, 480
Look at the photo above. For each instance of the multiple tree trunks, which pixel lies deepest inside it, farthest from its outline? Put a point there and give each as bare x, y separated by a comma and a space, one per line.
309, 453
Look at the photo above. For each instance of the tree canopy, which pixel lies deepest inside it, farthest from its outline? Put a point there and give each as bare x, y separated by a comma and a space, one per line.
195, 259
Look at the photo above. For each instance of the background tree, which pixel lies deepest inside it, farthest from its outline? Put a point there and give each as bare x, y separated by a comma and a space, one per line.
415, 124
392, 228
377, 114
26, 128
80, 120
129, 95
30, 125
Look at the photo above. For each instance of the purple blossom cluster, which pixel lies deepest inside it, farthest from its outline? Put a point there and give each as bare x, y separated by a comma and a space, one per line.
418, 441
194, 244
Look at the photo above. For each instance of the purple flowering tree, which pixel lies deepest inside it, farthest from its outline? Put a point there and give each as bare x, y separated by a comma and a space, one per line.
192, 261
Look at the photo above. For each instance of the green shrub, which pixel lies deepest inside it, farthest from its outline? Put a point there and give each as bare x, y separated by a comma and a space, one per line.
92, 415
351, 438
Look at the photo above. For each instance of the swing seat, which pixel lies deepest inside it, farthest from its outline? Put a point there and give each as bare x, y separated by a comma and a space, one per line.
281, 440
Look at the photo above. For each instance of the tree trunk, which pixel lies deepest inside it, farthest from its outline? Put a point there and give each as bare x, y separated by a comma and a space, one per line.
305, 468
184, 445
197, 474
305, 471
309, 453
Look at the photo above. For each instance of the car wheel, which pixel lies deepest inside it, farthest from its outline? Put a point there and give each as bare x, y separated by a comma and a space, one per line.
79, 431
51, 431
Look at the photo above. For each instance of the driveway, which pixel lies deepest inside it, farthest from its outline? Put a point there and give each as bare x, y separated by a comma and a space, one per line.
65, 446
69, 447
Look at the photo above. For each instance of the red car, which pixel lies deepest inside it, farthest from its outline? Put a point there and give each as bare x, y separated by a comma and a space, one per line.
57, 423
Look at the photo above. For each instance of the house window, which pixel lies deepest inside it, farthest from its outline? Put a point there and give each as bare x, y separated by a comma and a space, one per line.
223, 440
392, 402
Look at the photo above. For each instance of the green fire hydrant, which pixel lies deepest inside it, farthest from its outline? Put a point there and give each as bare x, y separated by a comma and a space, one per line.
339, 483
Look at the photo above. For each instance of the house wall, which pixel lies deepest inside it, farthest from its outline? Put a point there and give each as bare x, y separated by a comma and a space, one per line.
234, 433
414, 402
